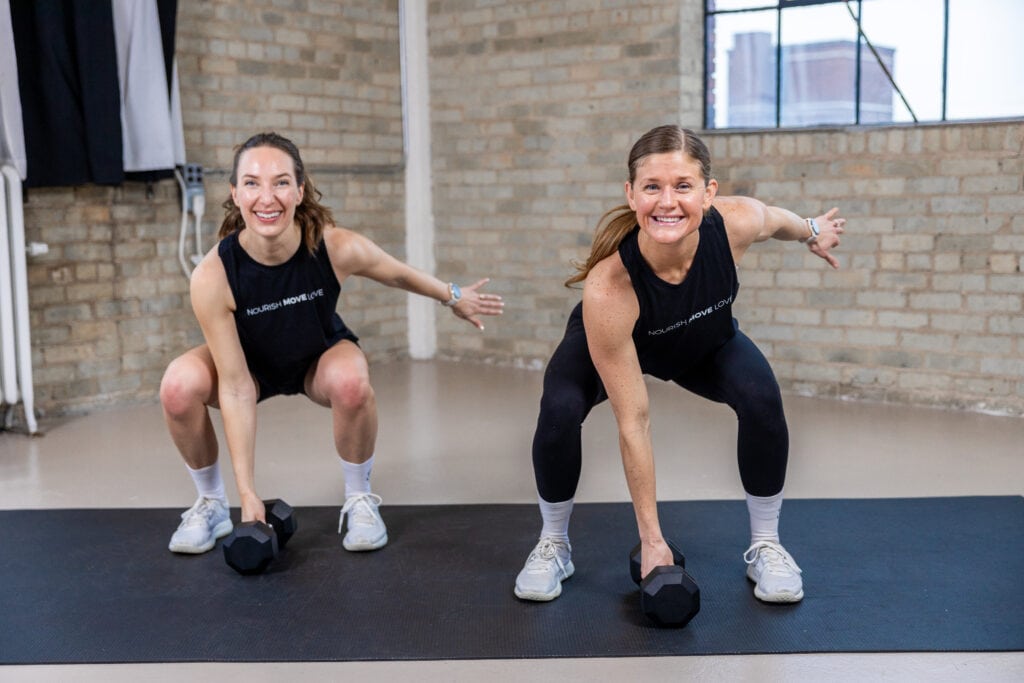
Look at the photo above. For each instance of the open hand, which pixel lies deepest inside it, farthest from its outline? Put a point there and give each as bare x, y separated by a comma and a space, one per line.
474, 303
831, 226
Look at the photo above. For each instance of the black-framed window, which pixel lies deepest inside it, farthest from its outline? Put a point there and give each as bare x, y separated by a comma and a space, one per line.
797, 63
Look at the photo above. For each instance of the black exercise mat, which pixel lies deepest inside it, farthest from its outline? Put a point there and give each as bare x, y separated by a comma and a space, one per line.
92, 586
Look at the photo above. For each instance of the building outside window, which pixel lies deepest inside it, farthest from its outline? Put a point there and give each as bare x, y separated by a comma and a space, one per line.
847, 62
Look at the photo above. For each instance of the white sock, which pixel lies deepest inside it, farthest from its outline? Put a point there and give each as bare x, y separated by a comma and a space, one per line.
764, 517
208, 482
357, 477
556, 519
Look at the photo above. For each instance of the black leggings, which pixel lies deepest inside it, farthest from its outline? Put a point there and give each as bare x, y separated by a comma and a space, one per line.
736, 374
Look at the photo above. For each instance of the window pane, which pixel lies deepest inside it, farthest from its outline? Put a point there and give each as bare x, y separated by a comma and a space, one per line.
721, 5
913, 57
819, 59
741, 70
796, 3
986, 59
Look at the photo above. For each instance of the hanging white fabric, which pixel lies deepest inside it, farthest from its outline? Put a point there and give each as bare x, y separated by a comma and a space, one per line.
152, 136
12, 132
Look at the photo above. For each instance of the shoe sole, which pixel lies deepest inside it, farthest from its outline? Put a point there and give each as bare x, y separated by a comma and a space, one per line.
782, 598
219, 531
363, 547
546, 597
539, 597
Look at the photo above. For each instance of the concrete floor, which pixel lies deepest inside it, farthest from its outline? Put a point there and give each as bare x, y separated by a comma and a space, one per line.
461, 433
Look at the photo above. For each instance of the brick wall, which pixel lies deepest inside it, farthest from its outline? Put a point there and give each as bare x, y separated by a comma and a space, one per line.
328, 76
109, 302
927, 307
534, 107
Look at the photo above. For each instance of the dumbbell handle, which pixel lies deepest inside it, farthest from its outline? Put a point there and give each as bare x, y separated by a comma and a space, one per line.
634, 559
282, 528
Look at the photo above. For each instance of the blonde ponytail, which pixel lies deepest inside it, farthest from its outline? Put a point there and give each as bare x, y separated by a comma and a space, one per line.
611, 230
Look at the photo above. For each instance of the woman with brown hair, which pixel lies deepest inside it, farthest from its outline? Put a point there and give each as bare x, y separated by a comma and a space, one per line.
658, 289
266, 301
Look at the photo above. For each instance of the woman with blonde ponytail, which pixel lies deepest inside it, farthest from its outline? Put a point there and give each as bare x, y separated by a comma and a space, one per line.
658, 289
266, 299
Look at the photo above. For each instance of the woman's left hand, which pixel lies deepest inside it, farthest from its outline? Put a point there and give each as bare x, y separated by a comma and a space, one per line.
831, 226
473, 303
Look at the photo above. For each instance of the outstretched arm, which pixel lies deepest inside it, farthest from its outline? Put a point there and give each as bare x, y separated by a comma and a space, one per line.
749, 220
354, 254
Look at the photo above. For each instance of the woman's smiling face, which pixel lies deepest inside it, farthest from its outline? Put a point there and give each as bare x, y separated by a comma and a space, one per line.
267, 191
670, 196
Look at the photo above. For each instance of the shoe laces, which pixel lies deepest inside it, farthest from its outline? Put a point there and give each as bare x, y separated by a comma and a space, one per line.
544, 553
773, 558
200, 513
361, 509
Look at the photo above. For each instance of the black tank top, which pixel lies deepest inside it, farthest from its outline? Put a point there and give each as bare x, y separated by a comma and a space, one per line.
680, 324
285, 314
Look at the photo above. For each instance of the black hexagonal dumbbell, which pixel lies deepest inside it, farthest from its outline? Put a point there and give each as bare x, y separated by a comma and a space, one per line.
281, 516
668, 595
252, 546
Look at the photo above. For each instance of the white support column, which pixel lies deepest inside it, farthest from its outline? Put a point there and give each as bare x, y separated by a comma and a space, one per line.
419, 208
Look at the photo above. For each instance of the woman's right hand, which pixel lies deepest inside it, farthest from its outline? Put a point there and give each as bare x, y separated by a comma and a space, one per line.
655, 553
252, 508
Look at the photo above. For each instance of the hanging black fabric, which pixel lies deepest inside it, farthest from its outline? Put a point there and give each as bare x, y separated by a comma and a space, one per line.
168, 10
67, 75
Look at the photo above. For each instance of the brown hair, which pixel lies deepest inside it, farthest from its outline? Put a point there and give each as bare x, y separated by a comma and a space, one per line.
310, 215
618, 222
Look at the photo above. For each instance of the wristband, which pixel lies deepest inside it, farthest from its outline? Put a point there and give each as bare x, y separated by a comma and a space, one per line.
454, 295
812, 225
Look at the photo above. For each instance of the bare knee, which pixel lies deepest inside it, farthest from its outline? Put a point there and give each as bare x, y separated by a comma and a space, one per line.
349, 391
186, 385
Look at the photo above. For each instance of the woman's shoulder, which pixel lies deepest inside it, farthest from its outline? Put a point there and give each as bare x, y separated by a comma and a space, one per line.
210, 268
609, 266
335, 236
742, 217
208, 283
736, 208
610, 306
608, 277
349, 251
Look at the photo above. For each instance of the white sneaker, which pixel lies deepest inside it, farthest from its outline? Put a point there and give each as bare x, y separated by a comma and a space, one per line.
549, 564
366, 530
201, 525
774, 573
